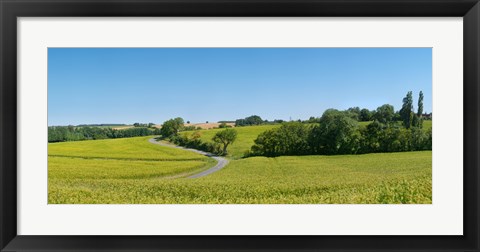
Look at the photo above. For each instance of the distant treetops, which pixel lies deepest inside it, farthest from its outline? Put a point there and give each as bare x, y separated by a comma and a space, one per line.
144, 125
383, 114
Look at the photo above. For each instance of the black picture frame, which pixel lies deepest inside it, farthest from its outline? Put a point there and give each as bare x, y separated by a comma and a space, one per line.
11, 9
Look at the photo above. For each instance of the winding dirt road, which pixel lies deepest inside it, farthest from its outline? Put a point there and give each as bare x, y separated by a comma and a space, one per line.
221, 162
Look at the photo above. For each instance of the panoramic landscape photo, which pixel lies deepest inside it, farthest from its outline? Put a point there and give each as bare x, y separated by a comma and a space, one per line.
239, 126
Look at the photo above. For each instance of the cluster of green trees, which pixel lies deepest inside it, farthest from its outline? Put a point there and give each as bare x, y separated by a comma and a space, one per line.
382, 114
221, 139
338, 132
254, 120
144, 125
361, 115
171, 127
72, 133
249, 121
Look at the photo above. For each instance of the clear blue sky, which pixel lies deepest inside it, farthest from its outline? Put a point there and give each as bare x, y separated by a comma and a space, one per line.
127, 85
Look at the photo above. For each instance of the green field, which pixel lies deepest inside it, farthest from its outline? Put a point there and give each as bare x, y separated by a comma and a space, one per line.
245, 138
132, 170
427, 124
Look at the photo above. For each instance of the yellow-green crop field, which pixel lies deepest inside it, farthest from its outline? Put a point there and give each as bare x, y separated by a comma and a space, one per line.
134, 171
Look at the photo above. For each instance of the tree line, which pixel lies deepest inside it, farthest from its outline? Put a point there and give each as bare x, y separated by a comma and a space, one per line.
339, 132
72, 133
102, 124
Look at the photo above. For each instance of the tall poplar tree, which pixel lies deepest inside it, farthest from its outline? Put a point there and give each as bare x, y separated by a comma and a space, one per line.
420, 109
406, 111
420, 104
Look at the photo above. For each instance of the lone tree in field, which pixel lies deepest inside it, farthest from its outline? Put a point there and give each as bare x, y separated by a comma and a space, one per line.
225, 137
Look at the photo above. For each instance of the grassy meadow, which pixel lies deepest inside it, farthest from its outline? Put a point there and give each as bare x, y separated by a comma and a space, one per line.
135, 171
245, 138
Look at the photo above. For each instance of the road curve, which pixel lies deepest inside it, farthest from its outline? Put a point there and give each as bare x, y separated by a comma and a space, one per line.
221, 162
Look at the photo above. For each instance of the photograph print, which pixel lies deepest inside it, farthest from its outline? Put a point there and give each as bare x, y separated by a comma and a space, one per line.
240, 126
